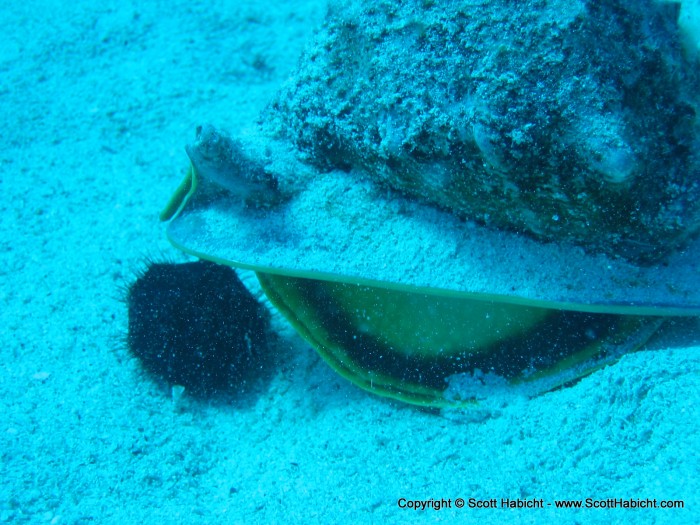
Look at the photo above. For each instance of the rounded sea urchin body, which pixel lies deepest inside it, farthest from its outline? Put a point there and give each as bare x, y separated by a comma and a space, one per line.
197, 326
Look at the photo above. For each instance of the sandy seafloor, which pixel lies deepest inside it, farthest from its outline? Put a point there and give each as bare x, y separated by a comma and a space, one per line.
97, 100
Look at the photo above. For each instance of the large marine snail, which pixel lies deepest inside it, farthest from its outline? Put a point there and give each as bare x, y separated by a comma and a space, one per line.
453, 198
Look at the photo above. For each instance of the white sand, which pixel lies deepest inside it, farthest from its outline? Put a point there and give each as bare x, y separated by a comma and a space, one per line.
97, 101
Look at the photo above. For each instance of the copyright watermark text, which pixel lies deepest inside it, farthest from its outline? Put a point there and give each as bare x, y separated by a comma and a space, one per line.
538, 503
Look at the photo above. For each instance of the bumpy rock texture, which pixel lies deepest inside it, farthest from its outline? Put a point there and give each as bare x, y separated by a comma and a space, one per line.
569, 120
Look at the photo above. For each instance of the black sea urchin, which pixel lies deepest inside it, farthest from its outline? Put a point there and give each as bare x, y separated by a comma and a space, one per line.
197, 326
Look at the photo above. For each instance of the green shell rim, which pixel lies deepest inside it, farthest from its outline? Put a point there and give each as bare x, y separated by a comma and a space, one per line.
201, 218
316, 320
222, 230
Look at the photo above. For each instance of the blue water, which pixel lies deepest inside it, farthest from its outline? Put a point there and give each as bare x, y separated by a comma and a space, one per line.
98, 101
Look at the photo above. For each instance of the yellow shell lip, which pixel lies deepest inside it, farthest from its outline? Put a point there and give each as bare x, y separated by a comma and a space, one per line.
179, 199
449, 351
425, 309
342, 229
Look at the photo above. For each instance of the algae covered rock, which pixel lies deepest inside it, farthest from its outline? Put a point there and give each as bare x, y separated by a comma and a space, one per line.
570, 121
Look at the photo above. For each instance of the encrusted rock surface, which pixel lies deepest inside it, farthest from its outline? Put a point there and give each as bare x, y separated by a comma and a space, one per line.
568, 120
